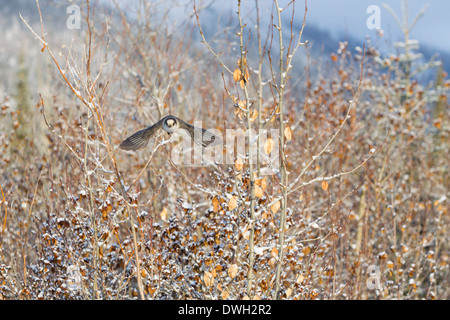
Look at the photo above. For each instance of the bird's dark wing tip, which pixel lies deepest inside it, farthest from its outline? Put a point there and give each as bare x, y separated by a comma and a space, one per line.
134, 142
210, 139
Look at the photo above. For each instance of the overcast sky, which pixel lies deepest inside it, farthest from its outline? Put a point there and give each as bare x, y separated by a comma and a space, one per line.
350, 16
341, 17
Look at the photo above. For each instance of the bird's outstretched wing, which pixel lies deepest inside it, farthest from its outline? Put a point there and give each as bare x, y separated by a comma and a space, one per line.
199, 135
140, 139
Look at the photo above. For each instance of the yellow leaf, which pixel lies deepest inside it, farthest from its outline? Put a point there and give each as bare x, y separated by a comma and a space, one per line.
239, 164
232, 203
258, 192
246, 232
334, 57
237, 75
232, 271
324, 185
242, 84
268, 146
288, 133
272, 262
242, 104
224, 295
288, 292
216, 205
253, 115
163, 214
274, 252
264, 183
208, 279
275, 207
300, 279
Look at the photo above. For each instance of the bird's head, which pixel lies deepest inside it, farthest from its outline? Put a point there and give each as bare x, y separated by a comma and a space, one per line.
170, 125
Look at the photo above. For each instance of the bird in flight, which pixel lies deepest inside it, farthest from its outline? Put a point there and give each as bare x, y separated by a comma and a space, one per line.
170, 124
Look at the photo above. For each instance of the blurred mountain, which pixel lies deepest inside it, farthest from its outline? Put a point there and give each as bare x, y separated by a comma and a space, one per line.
328, 23
51, 10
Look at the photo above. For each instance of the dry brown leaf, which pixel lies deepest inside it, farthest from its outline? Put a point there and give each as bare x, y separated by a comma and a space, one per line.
275, 207
264, 183
247, 75
288, 292
244, 60
253, 115
242, 104
246, 233
216, 204
232, 203
208, 278
237, 75
224, 295
242, 84
274, 252
268, 146
272, 262
258, 191
300, 279
288, 133
232, 271
239, 164
324, 185
163, 214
